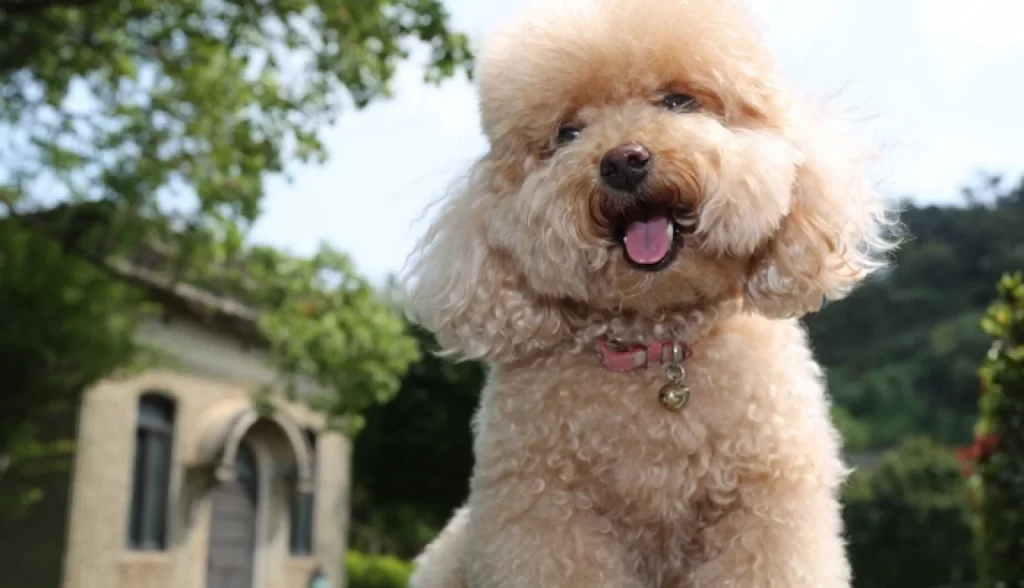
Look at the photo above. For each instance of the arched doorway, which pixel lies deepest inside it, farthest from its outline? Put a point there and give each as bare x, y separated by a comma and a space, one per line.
233, 525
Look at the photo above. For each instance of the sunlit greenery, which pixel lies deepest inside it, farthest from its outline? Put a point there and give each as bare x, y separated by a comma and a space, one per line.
998, 451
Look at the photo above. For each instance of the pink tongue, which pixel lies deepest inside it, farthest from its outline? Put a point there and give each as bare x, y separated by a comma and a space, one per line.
648, 242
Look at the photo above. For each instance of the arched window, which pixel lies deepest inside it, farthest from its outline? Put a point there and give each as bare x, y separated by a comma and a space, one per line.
154, 439
301, 536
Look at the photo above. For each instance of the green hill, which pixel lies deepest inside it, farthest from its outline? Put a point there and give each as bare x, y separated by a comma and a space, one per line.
903, 351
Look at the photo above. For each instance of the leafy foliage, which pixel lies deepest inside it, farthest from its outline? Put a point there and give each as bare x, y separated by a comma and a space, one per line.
63, 329
322, 321
907, 522
998, 452
382, 571
333, 326
193, 103
424, 437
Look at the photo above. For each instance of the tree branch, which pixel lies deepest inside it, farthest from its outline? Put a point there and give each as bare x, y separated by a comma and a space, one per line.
27, 7
30, 6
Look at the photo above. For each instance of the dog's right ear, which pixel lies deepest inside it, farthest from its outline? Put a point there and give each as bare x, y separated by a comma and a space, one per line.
466, 291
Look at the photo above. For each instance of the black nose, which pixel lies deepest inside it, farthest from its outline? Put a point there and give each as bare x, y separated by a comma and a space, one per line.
625, 166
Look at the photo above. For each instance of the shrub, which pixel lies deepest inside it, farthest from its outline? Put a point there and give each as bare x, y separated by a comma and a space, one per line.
996, 460
908, 521
381, 571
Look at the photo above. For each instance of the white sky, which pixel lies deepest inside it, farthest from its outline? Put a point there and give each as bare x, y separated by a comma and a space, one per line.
935, 83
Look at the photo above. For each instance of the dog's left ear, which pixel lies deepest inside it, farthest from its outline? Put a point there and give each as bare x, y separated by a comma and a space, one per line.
835, 234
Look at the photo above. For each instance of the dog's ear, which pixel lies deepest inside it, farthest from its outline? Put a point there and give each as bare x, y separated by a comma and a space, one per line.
466, 291
836, 233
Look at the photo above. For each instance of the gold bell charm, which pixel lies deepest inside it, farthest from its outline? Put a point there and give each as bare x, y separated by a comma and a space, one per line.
675, 394
674, 397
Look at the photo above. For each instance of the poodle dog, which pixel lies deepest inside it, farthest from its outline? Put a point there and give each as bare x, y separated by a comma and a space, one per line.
655, 212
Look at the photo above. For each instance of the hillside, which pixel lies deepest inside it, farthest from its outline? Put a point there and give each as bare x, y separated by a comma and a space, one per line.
903, 351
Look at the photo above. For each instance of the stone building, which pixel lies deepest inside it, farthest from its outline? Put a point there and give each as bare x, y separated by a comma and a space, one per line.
194, 474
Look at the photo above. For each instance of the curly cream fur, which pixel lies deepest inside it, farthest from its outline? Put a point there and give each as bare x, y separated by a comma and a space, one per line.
582, 479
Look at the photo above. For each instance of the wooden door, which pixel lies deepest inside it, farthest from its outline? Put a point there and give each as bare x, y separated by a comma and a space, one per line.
232, 548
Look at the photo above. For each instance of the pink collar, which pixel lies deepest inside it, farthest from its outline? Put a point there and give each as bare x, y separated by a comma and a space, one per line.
623, 358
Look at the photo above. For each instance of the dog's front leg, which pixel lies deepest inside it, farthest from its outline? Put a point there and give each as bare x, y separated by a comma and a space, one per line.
779, 538
549, 543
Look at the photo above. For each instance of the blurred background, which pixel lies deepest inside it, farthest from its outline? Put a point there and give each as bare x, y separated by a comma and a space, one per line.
205, 377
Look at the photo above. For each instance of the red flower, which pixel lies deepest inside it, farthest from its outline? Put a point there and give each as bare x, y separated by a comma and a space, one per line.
976, 453
986, 445
967, 458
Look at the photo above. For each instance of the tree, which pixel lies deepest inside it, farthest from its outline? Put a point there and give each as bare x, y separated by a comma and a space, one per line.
908, 522
322, 320
60, 331
134, 124
997, 456
412, 463
189, 106
193, 101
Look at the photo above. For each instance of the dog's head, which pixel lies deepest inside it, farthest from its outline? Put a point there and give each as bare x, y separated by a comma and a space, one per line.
645, 157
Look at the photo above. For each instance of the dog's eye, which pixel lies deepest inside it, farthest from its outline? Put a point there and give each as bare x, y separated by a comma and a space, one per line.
677, 102
567, 134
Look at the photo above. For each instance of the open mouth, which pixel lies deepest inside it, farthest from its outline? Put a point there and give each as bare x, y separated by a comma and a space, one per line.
651, 238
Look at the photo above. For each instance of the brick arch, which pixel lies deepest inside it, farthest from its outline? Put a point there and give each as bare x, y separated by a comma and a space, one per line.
228, 424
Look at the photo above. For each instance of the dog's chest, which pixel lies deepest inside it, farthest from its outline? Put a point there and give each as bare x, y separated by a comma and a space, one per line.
643, 452
638, 460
